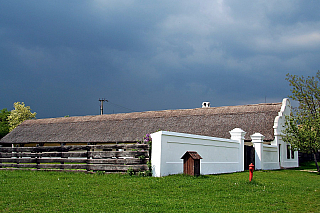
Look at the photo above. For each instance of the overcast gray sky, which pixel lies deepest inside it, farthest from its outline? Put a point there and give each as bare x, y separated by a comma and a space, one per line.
60, 57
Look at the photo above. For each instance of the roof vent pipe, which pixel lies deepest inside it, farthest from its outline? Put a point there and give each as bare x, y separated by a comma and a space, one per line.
205, 104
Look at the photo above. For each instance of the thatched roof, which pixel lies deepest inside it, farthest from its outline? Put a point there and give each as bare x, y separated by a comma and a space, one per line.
214, 121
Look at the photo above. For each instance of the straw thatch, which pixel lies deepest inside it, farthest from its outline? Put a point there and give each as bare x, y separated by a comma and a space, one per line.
215, 121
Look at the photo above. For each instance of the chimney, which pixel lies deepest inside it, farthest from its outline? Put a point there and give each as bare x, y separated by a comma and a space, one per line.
205, 104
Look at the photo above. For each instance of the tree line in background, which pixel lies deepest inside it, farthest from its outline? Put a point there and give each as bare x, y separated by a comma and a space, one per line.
11, 119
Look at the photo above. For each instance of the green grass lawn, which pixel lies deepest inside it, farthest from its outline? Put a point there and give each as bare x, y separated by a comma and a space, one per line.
41, 191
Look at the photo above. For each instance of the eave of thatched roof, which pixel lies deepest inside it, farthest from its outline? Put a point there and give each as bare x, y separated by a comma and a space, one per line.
214, 121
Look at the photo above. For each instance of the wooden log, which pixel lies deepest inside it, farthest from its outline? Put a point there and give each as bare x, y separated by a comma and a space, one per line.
9, 155
96, 154
73, 148
18, 160
65, 154
46, 154
35, 149
19, 165
48, 166
94, 167
117, 168
121, 146
63, 166
43, 149
123, 161
109, 154
120, 161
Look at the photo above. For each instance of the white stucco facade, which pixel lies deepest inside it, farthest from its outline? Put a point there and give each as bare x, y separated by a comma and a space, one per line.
286, 158
219, 155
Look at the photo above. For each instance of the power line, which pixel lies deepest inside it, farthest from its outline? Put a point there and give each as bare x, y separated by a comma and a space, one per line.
132, 110
114, 104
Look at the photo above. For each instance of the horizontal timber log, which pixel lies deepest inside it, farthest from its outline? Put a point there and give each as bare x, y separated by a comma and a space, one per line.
48, 166
45, 154
97, 154
19, 165
109, 154
72, 148
120, 168
127, 161
42, 160
95, 167
123, 161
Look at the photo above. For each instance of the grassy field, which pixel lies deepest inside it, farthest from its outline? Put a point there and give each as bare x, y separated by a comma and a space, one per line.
283, 190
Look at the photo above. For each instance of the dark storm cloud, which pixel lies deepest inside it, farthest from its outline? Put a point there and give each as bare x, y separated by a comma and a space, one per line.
60, 57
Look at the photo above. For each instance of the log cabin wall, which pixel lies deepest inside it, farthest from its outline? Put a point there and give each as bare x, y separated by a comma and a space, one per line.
119, 158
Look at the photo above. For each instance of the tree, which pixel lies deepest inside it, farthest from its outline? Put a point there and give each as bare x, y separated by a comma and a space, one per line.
4, 124
303, 125
19, 114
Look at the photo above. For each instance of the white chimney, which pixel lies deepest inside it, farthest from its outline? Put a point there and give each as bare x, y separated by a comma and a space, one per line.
205, 104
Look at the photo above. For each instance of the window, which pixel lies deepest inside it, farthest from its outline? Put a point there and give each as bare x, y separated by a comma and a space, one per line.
279, 152
288, 151
292, 154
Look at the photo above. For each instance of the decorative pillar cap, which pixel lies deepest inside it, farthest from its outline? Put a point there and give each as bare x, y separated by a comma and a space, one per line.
237, 132
257, 138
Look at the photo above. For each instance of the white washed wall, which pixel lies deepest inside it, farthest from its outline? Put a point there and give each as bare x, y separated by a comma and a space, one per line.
270, 157
266, 156
219, 155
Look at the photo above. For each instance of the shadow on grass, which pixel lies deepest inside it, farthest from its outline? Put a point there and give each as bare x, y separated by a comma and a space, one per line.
310, 165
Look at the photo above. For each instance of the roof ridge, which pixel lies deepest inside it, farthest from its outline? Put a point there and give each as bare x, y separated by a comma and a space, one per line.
147, 114
213, 121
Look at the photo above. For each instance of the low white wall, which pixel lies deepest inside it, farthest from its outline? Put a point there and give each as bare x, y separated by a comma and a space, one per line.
219, 155
266, 156
270, 157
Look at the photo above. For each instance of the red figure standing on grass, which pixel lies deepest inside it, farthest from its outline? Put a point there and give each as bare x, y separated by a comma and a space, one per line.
251, 168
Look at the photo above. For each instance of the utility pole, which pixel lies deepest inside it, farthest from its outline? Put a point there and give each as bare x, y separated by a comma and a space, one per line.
101, 105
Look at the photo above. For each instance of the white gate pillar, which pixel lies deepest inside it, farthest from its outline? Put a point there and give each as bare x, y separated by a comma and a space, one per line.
257, 140
238, 134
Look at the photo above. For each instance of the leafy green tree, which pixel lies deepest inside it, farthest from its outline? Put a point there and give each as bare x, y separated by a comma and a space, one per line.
4, 124
303, 125
19, 114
